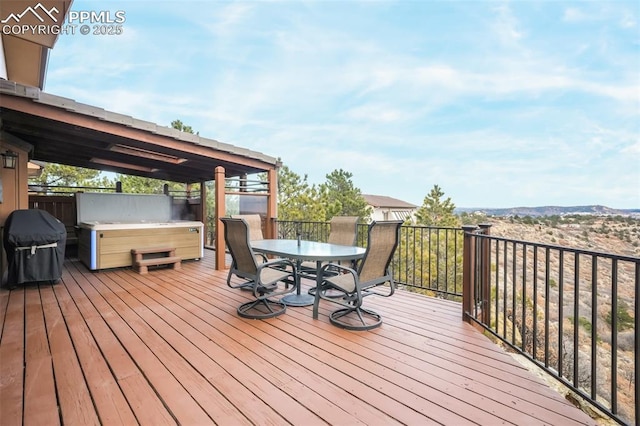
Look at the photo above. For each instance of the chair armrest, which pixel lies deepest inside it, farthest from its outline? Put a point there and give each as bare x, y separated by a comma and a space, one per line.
277, 262
339, 268
282, 266
371, 286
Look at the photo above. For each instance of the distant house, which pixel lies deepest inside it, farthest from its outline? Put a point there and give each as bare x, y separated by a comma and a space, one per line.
387, 208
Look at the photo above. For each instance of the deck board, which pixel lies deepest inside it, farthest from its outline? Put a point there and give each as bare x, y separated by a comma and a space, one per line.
202, 353
140, 396
40, 404
245, 342
12, 360
108, 398
138, 341
75, 402
191, 326
116, 347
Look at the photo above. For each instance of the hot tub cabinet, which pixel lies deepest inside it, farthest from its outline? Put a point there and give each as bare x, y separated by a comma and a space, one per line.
108, 245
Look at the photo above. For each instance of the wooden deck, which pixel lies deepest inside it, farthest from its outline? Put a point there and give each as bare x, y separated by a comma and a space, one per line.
116, 347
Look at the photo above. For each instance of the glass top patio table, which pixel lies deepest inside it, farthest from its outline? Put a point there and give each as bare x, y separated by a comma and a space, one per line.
306, 250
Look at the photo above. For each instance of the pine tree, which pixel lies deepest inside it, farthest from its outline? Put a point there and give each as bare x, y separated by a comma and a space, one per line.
297, 200
434, 244
342, 198
437, 212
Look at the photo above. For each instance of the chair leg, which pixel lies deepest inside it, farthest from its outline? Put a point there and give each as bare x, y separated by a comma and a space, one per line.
261, 309
368, 318
325, 293
329, 293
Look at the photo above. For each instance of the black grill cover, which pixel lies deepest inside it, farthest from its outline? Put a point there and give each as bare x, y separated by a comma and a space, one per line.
25, 232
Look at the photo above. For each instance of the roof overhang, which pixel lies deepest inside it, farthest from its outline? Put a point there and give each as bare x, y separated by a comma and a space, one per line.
29, 30
33, 169
64, 131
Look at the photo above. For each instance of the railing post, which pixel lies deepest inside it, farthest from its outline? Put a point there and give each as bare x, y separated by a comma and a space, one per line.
468, 271
485, 229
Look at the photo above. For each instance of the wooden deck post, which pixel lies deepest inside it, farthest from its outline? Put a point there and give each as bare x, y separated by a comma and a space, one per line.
202, 214
219, 212
272, 204
468, 271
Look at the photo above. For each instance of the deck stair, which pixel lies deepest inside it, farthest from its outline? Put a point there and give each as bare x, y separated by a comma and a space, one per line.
142, 258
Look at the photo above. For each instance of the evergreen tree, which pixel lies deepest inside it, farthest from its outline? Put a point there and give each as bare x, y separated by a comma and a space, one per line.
297, 200
430, 246
342, 198
142, 185
179, 125
436, 211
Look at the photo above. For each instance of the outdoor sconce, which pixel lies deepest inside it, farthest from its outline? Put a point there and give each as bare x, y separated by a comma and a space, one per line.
9, 159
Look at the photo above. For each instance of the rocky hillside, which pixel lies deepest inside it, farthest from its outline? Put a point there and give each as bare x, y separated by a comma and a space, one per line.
606, 234
609, 234
552, 210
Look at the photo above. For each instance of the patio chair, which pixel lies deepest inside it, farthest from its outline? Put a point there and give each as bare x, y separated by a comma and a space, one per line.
343, 230
368, 279
261, 278
255, 232
255, 225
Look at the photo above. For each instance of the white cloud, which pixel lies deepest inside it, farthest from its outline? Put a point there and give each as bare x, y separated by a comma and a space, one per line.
375, 113
522, 115
628, 20
573, 14
633, 150
507, 26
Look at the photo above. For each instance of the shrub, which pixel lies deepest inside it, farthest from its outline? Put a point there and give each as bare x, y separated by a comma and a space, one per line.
625, 320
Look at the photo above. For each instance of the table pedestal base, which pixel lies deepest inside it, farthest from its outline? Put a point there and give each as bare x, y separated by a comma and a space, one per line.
298, 300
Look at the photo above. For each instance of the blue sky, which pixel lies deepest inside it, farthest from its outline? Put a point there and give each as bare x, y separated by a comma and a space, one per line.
500, 103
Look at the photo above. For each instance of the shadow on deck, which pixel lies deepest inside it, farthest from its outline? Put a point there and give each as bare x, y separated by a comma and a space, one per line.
116, 347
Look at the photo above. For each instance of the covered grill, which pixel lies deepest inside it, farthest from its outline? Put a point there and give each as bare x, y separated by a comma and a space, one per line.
34, 241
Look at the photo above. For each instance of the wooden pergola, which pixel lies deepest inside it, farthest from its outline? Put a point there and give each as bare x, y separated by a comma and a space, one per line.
49, 128
35, 125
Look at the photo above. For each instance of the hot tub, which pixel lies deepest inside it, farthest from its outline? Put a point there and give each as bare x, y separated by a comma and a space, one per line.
105, 244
